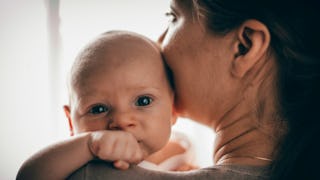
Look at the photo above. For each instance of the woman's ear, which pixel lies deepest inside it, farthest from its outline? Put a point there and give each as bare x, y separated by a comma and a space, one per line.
67, 113
253, 40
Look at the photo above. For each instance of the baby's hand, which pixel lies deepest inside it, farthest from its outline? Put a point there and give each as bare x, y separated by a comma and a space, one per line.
118, 146
185, 167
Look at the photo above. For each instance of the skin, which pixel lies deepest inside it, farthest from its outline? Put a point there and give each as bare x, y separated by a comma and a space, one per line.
118, 78
230, 92
121, 108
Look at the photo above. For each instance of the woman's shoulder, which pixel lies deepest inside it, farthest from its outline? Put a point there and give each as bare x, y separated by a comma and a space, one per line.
102, 170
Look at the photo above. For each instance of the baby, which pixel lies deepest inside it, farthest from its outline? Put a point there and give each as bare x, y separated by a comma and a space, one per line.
120, 109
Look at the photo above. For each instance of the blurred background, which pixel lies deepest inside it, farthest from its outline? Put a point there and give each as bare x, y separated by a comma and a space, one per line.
38, 42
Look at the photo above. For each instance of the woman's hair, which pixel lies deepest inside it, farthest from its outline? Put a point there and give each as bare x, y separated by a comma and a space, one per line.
295, 39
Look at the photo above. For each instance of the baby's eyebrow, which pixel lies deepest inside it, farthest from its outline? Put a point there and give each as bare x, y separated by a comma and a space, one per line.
145, 88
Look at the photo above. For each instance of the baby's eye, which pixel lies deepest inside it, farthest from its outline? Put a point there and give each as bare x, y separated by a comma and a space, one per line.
98, 109
143, 101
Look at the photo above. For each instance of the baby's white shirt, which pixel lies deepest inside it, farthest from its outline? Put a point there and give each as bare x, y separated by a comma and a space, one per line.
172, 163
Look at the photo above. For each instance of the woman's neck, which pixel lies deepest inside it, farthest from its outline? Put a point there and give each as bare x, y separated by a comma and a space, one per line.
249, 133
242, 142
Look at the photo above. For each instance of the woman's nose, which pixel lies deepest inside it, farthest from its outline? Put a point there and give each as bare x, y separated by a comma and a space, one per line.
162, 36
121, 121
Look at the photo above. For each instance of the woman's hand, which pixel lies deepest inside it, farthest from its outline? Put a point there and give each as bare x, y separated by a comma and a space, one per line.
118, 146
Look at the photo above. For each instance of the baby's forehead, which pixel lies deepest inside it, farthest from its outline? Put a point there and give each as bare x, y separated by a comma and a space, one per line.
116, 49
120, 46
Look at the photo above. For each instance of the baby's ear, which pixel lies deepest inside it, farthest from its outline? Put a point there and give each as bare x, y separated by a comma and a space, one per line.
174, 116
66, 109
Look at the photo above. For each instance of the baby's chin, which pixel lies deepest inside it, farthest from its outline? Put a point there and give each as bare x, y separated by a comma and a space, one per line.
145, 150
152, 143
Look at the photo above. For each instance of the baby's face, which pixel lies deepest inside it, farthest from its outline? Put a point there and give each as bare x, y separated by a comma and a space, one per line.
133, 96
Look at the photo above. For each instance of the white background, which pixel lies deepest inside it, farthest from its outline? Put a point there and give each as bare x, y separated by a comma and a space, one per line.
33, 88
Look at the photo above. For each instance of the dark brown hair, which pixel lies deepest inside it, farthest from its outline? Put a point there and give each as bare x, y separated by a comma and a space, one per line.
295, 38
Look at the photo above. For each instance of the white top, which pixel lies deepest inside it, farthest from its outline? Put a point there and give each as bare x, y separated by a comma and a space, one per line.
172, 163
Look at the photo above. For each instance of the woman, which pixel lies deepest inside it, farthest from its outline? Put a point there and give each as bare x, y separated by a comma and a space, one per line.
252, 70
249, 70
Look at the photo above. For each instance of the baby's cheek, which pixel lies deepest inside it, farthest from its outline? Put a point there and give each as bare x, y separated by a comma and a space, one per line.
160, 129
162, 139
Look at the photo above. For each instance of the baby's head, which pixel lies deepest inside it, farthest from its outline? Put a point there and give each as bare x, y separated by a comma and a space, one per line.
119, 82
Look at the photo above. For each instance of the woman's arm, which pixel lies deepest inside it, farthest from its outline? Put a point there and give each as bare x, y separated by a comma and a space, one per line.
58, 161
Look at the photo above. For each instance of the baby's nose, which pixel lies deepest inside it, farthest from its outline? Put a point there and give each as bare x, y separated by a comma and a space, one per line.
122, 121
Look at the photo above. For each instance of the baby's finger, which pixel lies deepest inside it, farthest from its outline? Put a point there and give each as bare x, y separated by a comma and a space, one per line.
122, 165
185, 167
